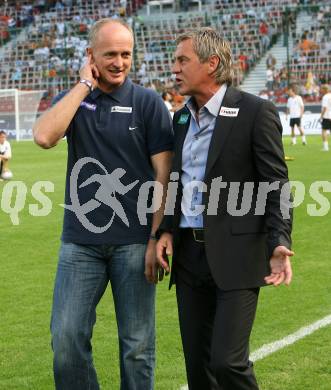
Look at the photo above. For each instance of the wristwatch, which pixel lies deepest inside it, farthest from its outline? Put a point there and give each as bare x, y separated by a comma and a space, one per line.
87, 83
152, 237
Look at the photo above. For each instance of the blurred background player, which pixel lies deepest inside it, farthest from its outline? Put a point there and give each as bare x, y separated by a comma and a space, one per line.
295, 108
5, 156
326, 116
166, 97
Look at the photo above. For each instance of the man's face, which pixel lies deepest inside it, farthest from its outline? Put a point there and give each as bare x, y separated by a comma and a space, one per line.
191, 74
112, 54
2, 138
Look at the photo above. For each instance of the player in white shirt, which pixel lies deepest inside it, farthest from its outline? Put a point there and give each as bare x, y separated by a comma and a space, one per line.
326, 116
295, 108
167, 101
5, 156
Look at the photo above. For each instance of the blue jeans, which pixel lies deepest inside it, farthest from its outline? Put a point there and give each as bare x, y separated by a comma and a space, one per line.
82, 277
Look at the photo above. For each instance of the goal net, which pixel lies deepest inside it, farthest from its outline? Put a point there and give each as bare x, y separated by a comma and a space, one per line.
18, 112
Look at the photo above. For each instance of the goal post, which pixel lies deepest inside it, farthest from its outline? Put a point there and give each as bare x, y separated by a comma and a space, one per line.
18, 112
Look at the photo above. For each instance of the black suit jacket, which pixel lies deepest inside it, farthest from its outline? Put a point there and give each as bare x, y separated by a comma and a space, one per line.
244, 150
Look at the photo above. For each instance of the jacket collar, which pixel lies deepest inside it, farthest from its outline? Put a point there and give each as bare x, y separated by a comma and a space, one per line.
223, 127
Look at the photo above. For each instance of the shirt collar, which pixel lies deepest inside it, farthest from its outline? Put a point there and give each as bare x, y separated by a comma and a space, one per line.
118, 94
214, 103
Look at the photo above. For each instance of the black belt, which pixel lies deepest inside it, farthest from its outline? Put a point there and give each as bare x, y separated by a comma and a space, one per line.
198, 234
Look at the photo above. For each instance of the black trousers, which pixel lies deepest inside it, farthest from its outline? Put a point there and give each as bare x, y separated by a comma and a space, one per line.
215, 324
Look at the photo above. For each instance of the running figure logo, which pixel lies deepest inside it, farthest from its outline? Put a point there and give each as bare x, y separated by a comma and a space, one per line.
110, 184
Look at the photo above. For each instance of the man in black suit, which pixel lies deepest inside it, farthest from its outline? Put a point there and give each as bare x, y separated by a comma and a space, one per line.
230, 230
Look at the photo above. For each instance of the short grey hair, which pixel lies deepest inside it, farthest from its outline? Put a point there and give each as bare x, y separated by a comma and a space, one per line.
208, 42
100, 23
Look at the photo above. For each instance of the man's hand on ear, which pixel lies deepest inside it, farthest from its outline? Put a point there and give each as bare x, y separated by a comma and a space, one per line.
90, 72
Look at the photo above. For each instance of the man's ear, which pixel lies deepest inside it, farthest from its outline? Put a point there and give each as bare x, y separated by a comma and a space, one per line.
214, 61
89, 53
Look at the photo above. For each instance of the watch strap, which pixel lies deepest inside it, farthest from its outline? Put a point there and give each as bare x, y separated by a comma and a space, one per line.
87, 83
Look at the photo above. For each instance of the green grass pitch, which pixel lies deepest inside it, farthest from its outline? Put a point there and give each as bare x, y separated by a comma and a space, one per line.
28, 260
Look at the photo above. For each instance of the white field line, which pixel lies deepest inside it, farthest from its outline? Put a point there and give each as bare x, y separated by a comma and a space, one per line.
268, 349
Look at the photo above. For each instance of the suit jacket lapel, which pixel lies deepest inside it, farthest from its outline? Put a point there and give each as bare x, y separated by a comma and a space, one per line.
180, 134
223, 127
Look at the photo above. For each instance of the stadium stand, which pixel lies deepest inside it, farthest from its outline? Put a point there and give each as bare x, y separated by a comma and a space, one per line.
249, 27
54, 43
44, 41
310, 62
